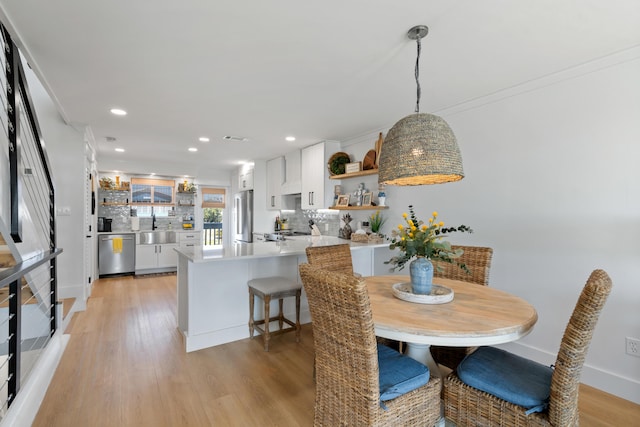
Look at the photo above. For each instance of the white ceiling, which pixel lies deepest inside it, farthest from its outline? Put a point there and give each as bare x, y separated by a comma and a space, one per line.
268, 69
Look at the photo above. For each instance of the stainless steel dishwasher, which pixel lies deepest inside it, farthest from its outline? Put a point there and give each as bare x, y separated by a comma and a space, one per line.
116, 254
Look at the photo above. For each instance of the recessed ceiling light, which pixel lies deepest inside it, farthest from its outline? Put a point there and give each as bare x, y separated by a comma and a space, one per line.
120, 150
290, 138
203, 139
118, 112
193, 149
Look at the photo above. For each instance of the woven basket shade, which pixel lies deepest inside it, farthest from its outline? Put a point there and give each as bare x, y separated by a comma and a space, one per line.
420, 149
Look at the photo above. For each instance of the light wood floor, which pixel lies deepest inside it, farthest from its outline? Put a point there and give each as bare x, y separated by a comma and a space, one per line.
125, 365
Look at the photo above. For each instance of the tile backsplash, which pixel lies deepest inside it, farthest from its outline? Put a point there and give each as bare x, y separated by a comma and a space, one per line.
328, 221
115, 205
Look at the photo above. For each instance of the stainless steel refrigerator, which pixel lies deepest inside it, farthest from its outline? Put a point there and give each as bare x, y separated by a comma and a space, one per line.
243, 210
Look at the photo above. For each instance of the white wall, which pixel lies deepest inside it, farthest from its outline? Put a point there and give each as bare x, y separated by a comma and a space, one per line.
553, 185
66, 151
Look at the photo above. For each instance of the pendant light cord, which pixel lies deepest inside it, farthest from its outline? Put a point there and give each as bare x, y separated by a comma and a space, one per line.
418, 77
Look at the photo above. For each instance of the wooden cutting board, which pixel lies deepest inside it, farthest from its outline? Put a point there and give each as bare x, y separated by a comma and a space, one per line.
378, 148
369, 161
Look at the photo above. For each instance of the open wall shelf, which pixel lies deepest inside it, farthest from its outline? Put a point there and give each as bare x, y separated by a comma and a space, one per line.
358, 208
355, 174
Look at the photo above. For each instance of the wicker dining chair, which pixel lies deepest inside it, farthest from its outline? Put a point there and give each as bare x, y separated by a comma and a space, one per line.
469, 406
338, 258
335, 258
478, 261
349, 373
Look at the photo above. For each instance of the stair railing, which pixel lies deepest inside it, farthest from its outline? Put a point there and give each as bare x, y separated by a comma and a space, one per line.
28, 310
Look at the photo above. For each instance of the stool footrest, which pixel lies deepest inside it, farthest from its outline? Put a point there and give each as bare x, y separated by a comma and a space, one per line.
278, 331
274, 319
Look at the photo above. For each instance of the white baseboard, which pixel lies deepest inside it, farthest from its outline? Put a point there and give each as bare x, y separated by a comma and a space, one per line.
78, 292
625, 388
24, 408
224, 336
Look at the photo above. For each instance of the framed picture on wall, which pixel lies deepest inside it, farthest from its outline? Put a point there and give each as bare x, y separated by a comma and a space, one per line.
366, 199
343, 200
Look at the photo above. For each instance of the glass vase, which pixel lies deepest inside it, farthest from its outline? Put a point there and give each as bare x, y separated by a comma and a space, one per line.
421, 272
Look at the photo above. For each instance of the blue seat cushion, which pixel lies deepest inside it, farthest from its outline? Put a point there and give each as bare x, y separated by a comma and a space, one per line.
399, 374
510, 377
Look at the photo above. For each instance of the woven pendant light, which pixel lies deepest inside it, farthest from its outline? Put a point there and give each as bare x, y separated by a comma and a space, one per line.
420, 149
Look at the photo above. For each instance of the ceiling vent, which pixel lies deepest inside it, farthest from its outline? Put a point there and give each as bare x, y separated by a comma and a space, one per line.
235, 138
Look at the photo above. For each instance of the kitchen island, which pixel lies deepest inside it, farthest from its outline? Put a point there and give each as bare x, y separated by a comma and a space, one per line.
213, 301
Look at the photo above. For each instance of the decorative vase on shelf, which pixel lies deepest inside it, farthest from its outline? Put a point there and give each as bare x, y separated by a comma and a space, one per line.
421, 272
346, 230
381, 195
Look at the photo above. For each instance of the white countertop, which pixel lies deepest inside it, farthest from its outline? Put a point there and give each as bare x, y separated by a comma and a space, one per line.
102, 233
177, 230
291, 246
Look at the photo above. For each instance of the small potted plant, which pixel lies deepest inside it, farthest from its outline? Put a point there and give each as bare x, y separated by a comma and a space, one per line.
376, 221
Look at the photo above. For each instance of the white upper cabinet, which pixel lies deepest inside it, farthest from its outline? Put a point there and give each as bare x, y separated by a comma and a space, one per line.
245, 179
291, 183
314, 182
275, 180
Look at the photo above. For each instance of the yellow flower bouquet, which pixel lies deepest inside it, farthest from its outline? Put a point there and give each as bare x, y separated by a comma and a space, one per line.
415, 238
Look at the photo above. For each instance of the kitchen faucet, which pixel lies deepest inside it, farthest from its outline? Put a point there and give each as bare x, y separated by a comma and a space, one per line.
153, 222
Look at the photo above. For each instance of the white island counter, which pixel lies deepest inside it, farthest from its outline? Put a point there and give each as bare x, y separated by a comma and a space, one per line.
213, 300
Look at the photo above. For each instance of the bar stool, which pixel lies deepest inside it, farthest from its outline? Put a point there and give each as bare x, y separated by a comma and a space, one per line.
268, 288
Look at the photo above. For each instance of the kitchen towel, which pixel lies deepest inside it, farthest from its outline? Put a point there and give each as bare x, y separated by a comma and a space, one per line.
117, 245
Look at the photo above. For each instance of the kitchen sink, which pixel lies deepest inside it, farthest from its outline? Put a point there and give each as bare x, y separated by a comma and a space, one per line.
157, 237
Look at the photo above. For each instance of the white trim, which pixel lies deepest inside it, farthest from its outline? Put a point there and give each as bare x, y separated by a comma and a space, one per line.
592, 66
24, 408
33, 64
235, 333
625, 388
77, 292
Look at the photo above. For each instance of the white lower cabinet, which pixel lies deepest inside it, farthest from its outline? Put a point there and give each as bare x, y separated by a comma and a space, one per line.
191, 239
151, 257
167, 257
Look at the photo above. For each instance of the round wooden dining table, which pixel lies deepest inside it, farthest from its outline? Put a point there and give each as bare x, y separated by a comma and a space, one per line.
477, 315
